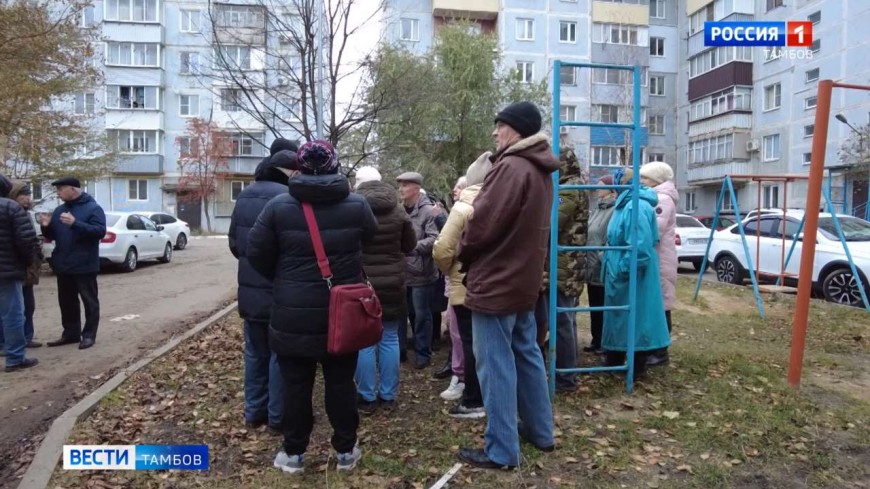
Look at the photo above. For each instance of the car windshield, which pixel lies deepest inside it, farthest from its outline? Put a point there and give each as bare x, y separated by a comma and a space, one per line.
111, 220
688, 222
854, 229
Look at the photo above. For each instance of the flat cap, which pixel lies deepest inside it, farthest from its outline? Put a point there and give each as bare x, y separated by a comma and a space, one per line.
410, 176
71, 181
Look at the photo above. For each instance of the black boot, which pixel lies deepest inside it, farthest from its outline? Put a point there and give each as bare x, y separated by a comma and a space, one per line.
444, 372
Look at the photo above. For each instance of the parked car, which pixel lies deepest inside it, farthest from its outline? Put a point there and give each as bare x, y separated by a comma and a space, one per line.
692, 237
832, 276
725, 221
130, 238
178, 230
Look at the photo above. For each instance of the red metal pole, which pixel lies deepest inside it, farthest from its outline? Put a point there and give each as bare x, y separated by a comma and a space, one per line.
811, 227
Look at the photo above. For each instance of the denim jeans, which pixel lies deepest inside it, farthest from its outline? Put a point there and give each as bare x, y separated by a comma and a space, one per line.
421, 298
566, 335
514, 384
382, 359
264, 388
12, 320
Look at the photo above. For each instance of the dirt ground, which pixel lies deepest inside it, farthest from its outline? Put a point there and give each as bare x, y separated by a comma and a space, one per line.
139, 311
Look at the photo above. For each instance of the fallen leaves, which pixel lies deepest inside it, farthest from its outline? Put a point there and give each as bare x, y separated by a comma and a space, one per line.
671, 414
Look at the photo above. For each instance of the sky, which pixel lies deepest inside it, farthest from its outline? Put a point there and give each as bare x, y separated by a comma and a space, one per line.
363, 44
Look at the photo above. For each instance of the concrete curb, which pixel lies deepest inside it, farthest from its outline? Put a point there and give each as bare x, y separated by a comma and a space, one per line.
218, 236
50, 450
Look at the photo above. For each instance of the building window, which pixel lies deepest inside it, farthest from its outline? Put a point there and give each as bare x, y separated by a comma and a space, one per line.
808, 158
132, 54
690, 202
410, 30
772, 96
137, 189
727, 205
608, 155
657, 9
618, 77
810, 102
771, 196
135, 97
711, 149
231, 99
737, 98
772, 4
771, 147
655, 157
135, 141
815, 17
816, 46
189, 62
239, 16
619, 34
236, 57
812, 75
236, 187
36, 190
568, 76
87, 17
525, 71
244, 144
657, 46
605, 113
567, 113
696, 22
809, 130
656, 125
184, 146
188, 105
190, 20
567, 32
131, 10
714, 58
85, 103
525, 30
657, 85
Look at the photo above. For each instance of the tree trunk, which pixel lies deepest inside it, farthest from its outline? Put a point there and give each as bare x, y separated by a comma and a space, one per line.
207, 215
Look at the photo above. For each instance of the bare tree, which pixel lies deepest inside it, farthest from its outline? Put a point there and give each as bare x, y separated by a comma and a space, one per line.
855, 152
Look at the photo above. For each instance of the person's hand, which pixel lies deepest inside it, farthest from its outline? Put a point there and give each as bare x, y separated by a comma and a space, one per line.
67, 218
44, 220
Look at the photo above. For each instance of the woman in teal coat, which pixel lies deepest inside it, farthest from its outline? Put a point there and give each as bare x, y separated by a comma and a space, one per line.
651, 332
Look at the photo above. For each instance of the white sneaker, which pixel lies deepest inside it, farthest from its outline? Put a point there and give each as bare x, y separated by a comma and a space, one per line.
454, 391
347, 461
288, 464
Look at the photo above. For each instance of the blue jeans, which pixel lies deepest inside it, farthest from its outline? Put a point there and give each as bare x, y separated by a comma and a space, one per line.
12, 320
264, 387
514, 383
421, 298
387, 364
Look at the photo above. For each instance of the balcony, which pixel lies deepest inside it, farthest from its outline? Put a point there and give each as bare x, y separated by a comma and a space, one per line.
696, 40
609, 136
714, 172
466, 9
618, 13
243, 165
134, 119
146, 164
133, 32
721, 122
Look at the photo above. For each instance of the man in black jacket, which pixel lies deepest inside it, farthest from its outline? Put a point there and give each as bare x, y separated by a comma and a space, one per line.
76, 227
18, 246
264, 388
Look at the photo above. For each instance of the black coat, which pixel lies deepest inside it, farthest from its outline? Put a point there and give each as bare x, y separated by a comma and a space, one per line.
384, 257
280, 248
255, 290
18, 242
77, 247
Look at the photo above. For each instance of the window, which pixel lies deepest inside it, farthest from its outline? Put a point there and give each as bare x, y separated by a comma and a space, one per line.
656, 125
772, 96
714, 58
771, 147
657, 46
135, 97
567, 31
568, 113
657, 85
816, 46
137, 190
190, 20
131, 10
727, 205
810, 102
525, 29
657, 9
808, 158
619, 34
617, 77
607, 155
184, 146
244, 144
132, 54
605, 113
189, 62
696, 22
36, 190
85, 103
812, 75
525, 71
711, 149
87, 149
809, 130
86, 17
737, 98
239, 16
231, 100
135, 141
236, 57
655, 157
133, 222
236, 187
815, 17
771, 196
790, 226
690, 202
410, 30
188, 105
568, 76
772, 4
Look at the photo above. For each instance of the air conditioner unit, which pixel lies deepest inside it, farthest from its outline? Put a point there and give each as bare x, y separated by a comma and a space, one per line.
282, 81
564, 129
752, 145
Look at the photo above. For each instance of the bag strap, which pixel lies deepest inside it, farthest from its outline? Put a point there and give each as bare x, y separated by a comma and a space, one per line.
319, 251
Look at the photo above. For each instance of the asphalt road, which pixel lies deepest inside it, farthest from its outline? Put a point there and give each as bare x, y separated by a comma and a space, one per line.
139, 311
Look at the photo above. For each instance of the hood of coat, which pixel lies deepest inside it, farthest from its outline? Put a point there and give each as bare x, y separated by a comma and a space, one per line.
5, 186
470, 193
669, 189
607, 202
381, 196
536, 149
17, 187
319, 189
645, 193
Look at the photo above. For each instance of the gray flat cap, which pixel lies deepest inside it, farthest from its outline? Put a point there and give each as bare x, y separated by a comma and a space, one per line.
410, 176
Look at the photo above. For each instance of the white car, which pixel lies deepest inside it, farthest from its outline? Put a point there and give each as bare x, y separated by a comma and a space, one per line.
832, 276
692, 239
178, 230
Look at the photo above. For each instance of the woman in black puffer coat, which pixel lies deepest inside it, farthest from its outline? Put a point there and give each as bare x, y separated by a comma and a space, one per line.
280, 248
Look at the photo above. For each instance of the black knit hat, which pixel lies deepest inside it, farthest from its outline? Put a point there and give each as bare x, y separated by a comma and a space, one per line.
281, 144
524, 117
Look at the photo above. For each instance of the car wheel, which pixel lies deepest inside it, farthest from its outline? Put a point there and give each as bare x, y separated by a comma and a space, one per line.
130, 261
167, 254
697, 264
728, 270
841, 287
181, 242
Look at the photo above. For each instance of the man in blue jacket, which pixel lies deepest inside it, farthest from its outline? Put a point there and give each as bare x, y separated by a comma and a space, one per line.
76, 227
264, 387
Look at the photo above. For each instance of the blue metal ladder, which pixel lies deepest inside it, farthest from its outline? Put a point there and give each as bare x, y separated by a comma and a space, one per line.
555, 247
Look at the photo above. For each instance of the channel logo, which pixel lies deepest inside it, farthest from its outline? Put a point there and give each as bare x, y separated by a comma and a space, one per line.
135, 457
794, 34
